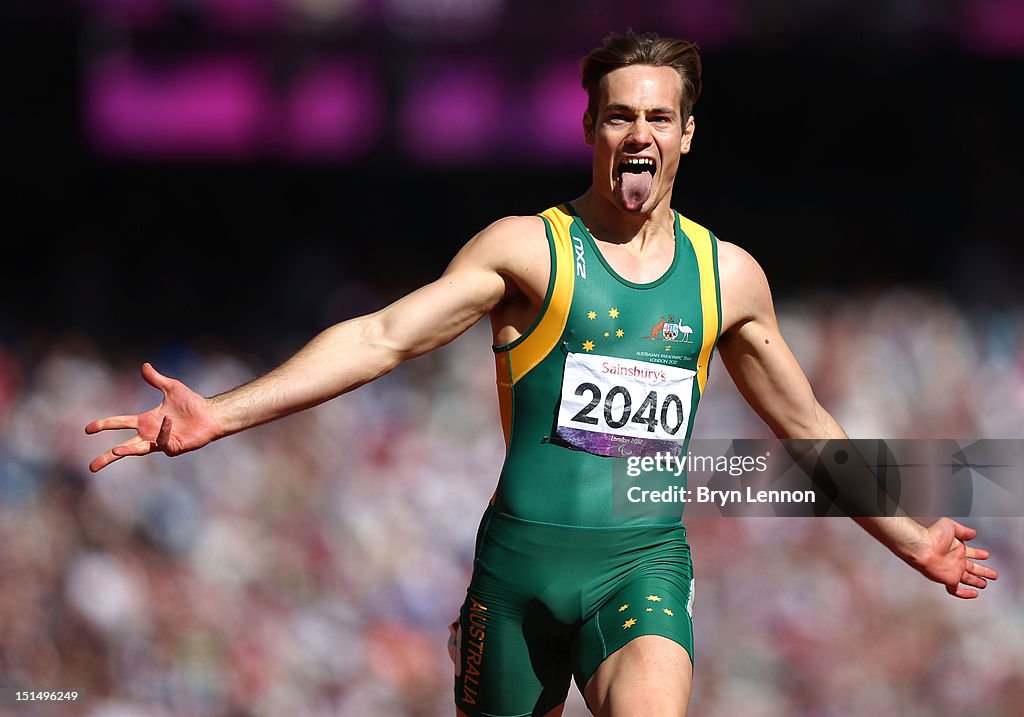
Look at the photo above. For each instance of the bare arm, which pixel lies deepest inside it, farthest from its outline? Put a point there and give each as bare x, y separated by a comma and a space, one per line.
339, 359
758, 359
772, 382
352, 353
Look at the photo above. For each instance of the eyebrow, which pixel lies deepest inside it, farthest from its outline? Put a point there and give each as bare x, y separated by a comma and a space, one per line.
627, 108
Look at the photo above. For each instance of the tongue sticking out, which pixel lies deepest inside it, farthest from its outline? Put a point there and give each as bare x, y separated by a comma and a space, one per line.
635, 189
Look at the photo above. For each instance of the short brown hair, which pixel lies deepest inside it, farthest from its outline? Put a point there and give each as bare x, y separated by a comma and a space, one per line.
649, 48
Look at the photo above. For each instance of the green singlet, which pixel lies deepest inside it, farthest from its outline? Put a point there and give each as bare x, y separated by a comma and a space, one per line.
608, 370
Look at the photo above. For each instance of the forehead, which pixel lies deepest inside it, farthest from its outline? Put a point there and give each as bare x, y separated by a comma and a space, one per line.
642, 86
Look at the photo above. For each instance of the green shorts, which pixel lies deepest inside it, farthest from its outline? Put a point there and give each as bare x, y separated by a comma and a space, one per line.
548, 603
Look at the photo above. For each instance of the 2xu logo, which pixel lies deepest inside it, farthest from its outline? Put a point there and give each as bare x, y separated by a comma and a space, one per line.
581, 263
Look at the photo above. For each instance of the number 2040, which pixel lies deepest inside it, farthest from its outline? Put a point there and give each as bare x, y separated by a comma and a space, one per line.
618, 409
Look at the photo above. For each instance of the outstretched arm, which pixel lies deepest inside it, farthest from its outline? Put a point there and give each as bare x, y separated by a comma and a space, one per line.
772, 382
339, 359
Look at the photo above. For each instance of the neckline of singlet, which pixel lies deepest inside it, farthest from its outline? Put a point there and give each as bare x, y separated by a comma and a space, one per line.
608, 267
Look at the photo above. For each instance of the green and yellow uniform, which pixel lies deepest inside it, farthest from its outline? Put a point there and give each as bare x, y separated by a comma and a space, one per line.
608, 370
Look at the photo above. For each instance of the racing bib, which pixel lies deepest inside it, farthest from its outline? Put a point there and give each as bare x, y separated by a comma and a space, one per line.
621, 407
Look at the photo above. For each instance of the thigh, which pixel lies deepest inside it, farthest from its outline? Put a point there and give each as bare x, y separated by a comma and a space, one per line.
511, 659
651, 676
653, 597
635, 655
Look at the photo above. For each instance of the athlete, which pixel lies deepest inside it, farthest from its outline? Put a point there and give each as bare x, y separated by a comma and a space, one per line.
605, 313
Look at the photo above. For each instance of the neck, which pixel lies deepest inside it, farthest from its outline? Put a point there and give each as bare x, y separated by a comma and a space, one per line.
610, 223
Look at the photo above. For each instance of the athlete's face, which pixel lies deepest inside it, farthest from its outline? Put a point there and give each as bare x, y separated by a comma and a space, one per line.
638, 136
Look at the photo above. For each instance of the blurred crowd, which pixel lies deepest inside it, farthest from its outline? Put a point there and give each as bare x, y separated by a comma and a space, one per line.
311, 566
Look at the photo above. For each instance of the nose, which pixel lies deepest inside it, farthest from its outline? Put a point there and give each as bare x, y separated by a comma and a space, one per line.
640, 133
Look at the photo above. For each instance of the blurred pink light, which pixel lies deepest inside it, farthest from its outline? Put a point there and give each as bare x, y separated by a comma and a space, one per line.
247, 14
139, 13
555, 112
454, 114
709, 23
213, 107
994, 27
333, 112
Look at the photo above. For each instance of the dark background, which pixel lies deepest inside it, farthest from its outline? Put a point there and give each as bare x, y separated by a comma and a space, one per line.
841, 148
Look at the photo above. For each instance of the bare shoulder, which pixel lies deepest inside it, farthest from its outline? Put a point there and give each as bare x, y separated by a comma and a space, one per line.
512, 251
529, 224
515, 247
508, 239
736, 265
744, 286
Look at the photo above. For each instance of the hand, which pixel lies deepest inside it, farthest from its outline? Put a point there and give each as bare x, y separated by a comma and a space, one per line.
182, 422
946, 558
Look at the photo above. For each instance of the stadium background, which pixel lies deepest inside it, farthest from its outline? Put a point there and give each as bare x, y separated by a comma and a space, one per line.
205, 184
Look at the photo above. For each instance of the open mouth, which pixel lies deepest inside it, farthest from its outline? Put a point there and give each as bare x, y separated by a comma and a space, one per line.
636, 165
636, 181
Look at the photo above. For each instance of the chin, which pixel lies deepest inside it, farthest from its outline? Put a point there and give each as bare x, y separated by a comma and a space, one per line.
644, 209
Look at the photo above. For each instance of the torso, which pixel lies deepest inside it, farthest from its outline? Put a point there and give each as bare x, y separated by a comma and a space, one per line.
667, 321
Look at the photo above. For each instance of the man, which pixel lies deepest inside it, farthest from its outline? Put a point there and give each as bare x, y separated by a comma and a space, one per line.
562, 585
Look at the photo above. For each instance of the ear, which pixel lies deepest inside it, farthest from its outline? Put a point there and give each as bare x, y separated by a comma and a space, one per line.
588, 128
684, 147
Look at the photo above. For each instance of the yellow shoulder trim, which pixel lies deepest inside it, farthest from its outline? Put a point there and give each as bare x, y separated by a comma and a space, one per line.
703, 247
